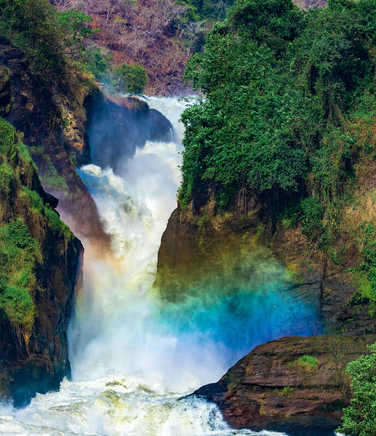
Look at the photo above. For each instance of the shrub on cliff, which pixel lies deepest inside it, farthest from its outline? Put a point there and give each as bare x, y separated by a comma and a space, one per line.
360, 416
130, 79
207, 9
19, 252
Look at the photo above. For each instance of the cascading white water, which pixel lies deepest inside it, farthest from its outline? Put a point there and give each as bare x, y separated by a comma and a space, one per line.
131, 363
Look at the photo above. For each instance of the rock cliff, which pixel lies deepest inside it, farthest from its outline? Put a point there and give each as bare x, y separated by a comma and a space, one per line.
266, 389
40, 263
295, 385
53, 122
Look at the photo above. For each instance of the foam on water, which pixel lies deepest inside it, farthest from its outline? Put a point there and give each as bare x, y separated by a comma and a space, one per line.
115, 406
132, 355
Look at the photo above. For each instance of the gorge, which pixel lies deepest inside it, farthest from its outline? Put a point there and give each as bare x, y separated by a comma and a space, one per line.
193, 264
133, 355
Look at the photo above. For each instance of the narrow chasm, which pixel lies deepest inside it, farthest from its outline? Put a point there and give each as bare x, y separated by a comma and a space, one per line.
137, 348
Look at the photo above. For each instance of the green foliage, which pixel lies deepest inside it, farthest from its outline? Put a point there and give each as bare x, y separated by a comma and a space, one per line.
56, 224
8, 137
312, 214
19, 254
20, 251
360, 416
75, 24
98, 62
282, 88
207, 9
48, 38
17, 304
130, 79
368, 266
308, 361
18, 235
287, 391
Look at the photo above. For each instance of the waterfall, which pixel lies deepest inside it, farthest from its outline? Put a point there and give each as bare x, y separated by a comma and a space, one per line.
133, 356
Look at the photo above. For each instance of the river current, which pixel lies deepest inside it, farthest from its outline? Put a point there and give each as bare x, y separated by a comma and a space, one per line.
133, 356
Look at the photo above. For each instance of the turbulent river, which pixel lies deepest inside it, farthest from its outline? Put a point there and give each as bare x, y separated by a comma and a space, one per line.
134, 357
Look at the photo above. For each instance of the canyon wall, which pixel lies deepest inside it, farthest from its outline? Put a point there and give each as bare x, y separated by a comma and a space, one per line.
39, 275
53, 121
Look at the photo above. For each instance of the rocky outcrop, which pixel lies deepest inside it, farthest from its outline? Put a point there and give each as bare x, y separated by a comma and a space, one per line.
200, 240
53, 122
294, 385
117, 126
276, 386
40, 263
62, 124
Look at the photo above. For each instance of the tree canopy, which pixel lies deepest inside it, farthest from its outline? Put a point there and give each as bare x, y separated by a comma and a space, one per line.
281, 87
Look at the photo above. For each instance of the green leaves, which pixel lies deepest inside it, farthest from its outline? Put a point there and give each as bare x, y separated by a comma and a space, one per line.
281, 86
74, 22
49, 39
130, 78
360, 416
19, 252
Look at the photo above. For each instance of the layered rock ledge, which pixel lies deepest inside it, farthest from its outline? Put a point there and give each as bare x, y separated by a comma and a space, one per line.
295, 385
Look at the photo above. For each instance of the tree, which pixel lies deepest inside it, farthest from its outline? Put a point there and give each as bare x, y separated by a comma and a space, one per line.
130, 78
360, 416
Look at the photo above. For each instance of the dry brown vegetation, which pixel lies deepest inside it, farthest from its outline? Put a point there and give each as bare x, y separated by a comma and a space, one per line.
148, 32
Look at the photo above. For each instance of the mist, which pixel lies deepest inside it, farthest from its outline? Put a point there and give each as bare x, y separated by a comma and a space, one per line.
123, 327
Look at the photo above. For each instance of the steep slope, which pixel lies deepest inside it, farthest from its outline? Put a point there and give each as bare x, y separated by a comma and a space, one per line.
39, 275
53, 122
159, 35
148, 32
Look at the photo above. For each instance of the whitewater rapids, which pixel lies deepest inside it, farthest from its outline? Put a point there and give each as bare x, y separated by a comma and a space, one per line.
133, 359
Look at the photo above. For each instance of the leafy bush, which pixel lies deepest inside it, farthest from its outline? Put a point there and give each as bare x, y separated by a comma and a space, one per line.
131, 79
312, 214
359, 417
368, 266
309, 361
98, 62
8, 137
287, 391
207, 9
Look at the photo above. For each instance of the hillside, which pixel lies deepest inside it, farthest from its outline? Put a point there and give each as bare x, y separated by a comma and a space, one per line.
159, 35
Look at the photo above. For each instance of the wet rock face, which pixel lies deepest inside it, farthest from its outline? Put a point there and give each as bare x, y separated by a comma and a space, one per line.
37, 295
116, 127
295, 385
39, 364
275, 386
199, 242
